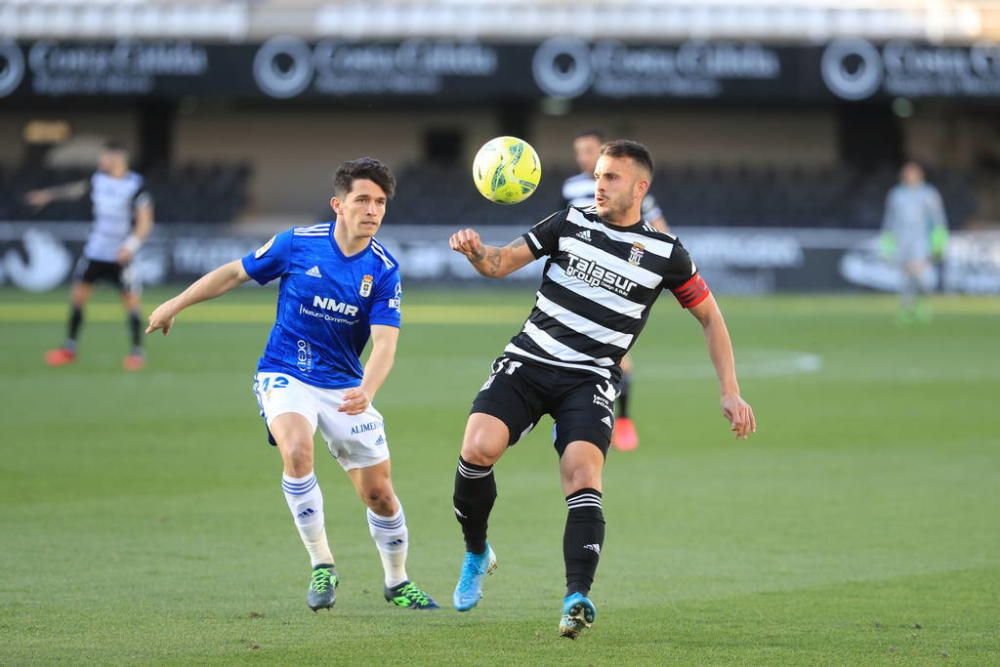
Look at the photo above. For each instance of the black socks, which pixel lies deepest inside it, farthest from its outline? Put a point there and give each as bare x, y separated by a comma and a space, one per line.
583, 539
475, 492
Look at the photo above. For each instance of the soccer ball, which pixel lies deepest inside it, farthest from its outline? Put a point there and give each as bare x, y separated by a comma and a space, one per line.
506, 170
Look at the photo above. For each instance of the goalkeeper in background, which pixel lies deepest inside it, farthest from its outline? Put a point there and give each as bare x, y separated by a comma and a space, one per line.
914, 233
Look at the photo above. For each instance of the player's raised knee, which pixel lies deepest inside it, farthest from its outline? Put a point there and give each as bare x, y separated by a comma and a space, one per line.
482, 448
485, 440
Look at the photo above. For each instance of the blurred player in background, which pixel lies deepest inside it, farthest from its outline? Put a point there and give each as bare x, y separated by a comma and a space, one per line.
123, 220
339, 287
578, 191
914, 233
606, 267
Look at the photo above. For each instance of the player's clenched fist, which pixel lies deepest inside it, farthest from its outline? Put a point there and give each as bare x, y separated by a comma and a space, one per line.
468, 243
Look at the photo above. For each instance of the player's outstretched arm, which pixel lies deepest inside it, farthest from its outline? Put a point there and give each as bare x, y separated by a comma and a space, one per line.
384, 339
212, 284
720, 349
491, 261
45, 196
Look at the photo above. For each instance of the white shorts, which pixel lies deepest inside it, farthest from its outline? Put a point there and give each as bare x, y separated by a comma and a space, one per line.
356, 441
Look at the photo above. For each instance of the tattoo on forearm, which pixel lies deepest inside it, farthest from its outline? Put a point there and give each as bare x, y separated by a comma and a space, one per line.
488, 260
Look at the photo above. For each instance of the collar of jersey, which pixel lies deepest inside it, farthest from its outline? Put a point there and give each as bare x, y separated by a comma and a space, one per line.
340, 253
626, 228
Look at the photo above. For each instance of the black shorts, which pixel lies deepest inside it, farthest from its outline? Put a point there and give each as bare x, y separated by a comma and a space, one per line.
519, 392
92, 271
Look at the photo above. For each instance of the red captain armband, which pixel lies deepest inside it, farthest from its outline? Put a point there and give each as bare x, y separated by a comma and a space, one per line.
693, 292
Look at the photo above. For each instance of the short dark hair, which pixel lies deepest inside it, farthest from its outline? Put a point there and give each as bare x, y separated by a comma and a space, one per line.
595, 133
114, 147
364, 168
631, 149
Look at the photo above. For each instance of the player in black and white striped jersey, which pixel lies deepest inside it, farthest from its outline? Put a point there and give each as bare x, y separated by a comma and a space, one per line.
606, 267
123, 219
578, 190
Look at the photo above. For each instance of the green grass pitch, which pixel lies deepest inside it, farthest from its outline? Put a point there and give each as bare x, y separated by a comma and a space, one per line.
141, 517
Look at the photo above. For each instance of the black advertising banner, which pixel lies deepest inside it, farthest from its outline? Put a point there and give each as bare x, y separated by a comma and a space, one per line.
55, 69
281, 68
456, 70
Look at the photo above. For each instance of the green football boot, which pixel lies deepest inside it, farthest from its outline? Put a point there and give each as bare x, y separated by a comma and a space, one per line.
322, 587
408, 596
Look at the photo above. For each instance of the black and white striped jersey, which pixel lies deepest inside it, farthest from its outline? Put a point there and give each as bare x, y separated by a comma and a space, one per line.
115, 201
599, 284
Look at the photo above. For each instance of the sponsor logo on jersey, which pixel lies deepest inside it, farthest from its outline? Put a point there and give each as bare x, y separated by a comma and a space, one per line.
596, 275
366, 286
397, 300
635, 254
263, 249
585, 235
334, 306
304, 356
314, 272
365, 428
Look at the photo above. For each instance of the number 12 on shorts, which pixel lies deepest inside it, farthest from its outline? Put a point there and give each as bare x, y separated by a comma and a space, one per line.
280, 382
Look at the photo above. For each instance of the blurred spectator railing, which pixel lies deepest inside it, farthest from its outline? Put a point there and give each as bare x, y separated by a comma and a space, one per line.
251, 20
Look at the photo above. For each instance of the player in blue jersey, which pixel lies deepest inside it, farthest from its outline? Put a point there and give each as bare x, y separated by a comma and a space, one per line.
339, 286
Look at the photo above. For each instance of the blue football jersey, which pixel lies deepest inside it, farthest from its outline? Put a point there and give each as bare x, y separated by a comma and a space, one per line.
327, 304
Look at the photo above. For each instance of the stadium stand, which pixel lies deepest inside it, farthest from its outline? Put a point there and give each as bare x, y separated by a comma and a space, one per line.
691, 195
697, 195
190, 193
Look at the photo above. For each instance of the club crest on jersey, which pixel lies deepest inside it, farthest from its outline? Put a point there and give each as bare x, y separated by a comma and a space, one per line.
635, 254
366, 285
